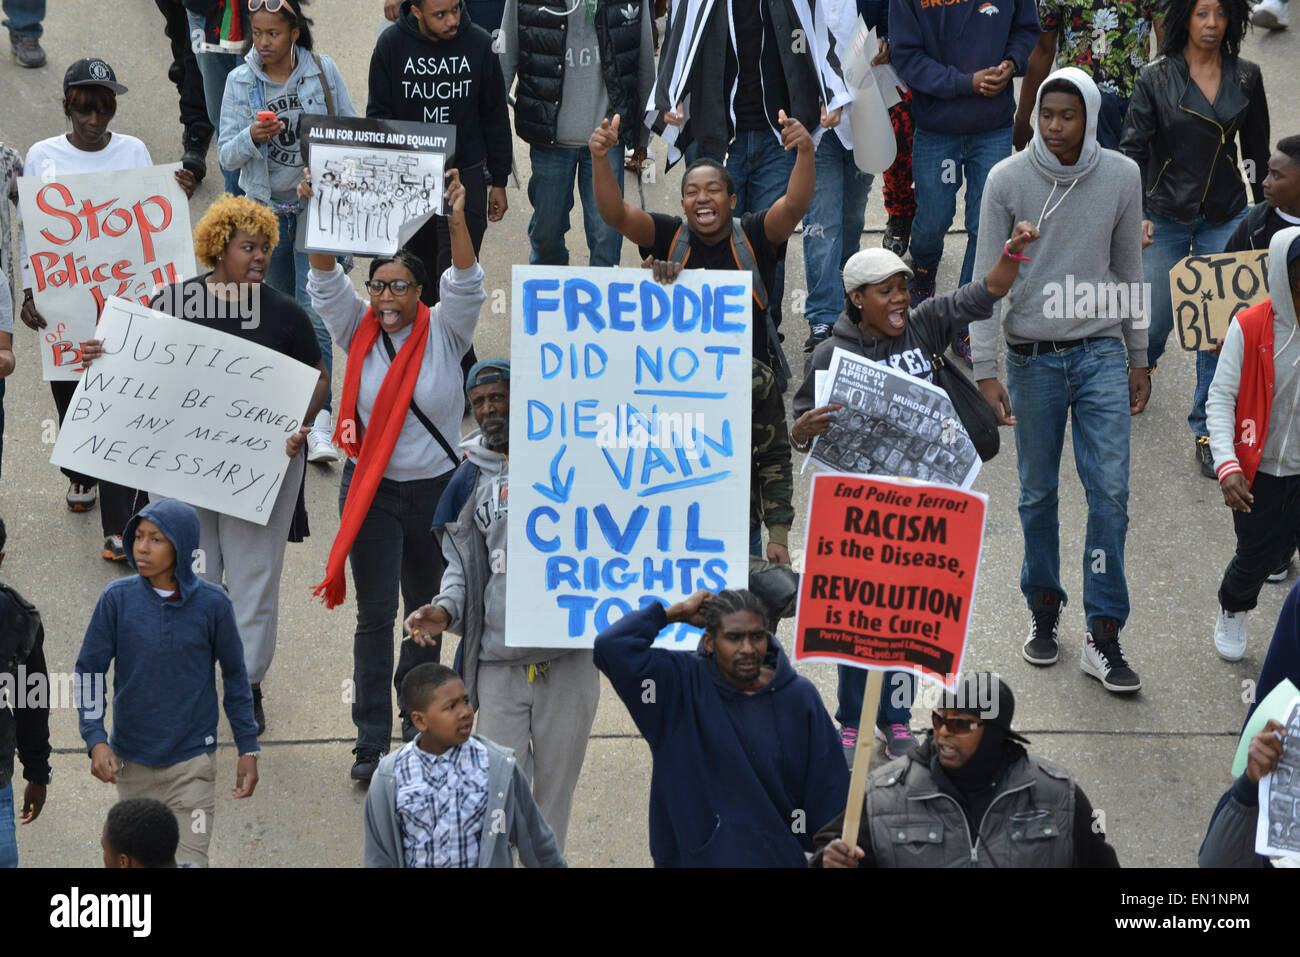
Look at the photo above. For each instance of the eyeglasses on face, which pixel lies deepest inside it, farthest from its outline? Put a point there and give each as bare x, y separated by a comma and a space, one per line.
400, 287
955, 725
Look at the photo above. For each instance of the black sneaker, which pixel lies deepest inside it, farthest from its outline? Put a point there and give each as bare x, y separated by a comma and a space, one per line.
366, 764
1104, 659
961, 346
898, 232
27, 50
259, 715
921, 286
1042, 648
1205, 457
409, 731
194, 159
820, 332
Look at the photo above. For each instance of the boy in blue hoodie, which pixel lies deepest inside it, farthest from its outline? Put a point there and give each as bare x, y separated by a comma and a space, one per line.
162, 631
747, 764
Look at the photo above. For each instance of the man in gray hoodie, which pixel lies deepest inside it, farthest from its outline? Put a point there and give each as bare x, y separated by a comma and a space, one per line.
1251, 415
538, 702
1074, 319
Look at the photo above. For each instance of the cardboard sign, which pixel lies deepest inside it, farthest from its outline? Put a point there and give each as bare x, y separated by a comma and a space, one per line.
891, 423
1208, 291
178, 409
97, 235
889, 575
374, 182
629, 447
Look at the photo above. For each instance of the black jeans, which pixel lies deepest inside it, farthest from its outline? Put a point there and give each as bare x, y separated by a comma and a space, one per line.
117, 503
433, 241
393, 547
1265, 537
194, 107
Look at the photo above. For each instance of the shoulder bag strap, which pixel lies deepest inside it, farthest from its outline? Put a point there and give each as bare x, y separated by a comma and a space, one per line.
424, 419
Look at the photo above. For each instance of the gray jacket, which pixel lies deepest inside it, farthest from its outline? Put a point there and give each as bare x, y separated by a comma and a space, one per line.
1030, 822
511, 813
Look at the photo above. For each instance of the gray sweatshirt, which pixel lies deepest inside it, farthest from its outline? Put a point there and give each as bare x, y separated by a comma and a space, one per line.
438, 393
1085, 277
1281, 452
583, 99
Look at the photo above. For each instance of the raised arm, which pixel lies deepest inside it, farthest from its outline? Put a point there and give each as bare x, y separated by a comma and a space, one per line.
632, 221
784, 216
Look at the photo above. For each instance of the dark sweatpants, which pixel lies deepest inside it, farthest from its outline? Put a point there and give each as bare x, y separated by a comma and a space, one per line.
1265, 537
117, 503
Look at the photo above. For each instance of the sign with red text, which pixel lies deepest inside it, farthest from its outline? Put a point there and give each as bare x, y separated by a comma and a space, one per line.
178, 409
889, 574
94, 236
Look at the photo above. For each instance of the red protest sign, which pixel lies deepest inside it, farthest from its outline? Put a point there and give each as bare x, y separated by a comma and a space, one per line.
889, 574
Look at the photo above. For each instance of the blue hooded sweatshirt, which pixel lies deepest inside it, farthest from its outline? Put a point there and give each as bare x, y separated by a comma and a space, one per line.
162, 652
739, 779
936, 47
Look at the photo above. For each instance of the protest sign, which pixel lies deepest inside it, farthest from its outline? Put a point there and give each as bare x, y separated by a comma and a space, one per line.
1277, 829
874, 143
374, 182
1273, 706
889, 575
96, 235
629, 447
1208, 291
892, 423
178, 409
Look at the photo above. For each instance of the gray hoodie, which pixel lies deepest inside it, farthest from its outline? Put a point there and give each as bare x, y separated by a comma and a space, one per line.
511, 814
1085, 277
1281, 452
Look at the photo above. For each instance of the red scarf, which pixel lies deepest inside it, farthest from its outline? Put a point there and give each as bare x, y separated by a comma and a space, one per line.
376, 448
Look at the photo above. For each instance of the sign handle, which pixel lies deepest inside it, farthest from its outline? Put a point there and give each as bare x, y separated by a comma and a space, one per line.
862, 756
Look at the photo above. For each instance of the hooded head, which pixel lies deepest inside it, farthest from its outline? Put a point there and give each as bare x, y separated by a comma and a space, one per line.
1057, 134
1283, 263
180, 523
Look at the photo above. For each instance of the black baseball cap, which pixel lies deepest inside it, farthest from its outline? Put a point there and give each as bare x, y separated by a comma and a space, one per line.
975, 696
91, 71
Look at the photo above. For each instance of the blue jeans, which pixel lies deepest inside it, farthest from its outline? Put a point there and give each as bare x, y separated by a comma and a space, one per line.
287, 273
215, 67
761, 170
1110, 120
1090, 383
832, 229
8, 836
23, 17
897, 686
394, 549
939, 161
550, 190
1171, 242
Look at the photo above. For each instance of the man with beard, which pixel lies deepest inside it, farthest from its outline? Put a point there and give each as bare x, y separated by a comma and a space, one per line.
538, 701
970, 795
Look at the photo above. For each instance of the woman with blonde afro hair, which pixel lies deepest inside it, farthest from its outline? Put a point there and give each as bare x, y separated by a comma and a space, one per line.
234, 239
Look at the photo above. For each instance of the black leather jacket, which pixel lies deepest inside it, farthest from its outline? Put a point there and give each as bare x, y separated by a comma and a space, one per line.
1188, 154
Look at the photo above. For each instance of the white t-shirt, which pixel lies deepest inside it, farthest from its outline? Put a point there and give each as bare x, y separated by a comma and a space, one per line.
56, 157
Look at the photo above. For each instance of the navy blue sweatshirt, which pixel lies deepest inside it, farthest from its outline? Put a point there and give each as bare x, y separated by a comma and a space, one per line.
937, 47
163, 653
739, 779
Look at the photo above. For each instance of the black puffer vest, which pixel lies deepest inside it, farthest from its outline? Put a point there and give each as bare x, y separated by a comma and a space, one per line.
542, 45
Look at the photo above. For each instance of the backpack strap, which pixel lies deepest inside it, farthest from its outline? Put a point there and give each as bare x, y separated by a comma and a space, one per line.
679, 250
324, 82
743, 253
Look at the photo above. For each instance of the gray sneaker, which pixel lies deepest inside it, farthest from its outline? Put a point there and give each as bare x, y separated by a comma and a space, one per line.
27, 50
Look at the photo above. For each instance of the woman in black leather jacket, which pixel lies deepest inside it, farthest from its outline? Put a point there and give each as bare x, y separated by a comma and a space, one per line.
1189, 108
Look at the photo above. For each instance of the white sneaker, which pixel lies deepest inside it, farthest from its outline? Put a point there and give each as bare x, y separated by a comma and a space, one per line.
1230, 635
1271, 15
320, 448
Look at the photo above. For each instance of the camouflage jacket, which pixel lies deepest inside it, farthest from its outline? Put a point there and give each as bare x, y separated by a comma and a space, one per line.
771, 485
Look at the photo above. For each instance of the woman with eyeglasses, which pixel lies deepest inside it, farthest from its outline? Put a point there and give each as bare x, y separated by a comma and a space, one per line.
282, 76
90, 92
399, 423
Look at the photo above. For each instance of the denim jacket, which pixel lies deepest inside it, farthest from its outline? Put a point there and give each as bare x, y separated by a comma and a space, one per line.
244, 96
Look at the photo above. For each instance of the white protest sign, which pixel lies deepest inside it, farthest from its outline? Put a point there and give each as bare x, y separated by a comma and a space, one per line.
892, 423
630, 444
874, 144
178, 409
96, 235
374, 182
